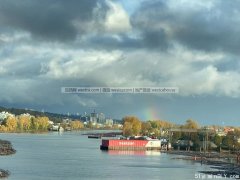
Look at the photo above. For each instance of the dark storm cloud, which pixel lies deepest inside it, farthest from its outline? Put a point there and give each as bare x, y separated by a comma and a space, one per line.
149, 40
51, 20
154, 39
145, 21
110, 42
197, 26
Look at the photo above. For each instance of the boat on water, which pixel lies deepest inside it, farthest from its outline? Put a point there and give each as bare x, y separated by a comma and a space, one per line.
99, 136
125, 144
95, 136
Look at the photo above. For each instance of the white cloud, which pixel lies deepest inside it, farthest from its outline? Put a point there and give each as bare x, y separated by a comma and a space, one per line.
2, 70
12, 37
192, 5
117, 19
51, 66
86, 102
79, 64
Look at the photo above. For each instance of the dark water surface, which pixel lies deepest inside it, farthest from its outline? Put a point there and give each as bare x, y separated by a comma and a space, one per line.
72, 156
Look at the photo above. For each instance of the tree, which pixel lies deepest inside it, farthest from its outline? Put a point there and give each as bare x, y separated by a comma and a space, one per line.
34, 124
217, 140
24, 123
146, 128
76, 125
3, 128
191, 124
89, 125
11, 123
230, 141
155, 127
176, 136
127, 129
39, 123
43, 123
131, 126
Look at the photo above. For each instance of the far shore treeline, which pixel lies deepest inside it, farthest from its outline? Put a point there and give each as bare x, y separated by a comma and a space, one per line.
132, 126
23, 123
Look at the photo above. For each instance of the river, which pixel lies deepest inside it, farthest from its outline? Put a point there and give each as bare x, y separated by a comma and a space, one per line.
72, 156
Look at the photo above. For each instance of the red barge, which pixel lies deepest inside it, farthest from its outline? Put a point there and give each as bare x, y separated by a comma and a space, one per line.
116, 144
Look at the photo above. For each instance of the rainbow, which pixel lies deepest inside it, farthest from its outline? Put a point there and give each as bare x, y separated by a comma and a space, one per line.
151, 113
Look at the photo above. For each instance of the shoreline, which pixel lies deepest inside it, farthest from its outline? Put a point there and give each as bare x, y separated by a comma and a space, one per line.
6, 149
217, 161
4, 173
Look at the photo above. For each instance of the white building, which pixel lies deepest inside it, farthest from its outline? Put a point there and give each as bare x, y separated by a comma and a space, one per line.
5, 115
101, 118
109, 122
67, 121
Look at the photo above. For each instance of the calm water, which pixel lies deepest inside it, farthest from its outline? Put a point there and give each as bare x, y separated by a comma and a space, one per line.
73, 156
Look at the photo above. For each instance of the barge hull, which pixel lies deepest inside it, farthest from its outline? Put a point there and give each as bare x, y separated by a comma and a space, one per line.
113, 144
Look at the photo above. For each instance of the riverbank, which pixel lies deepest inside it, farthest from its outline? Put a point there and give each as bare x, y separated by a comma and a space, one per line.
225, 164
103, 135
3, 173
5, 149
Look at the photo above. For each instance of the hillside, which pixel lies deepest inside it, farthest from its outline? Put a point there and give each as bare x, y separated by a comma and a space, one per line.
52, 116
55, 117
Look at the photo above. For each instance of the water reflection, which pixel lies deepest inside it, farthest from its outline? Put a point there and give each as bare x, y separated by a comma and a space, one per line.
139, 153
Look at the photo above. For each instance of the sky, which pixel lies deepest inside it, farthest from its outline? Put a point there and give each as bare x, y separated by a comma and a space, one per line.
192, 45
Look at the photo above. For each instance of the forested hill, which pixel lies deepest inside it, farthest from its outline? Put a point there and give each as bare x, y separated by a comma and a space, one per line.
52, 116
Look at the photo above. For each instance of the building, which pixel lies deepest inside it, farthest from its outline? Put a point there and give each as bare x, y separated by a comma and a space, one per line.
67, 121
5, 115
109, 122
228, 129
101, 118
93, 118
85, 118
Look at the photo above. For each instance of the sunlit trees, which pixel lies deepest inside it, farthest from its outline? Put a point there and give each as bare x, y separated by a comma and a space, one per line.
43, 123
191, 124
24, 123
163, 124
39, 123
3, 128
146, 128
89, 125
154, 127
34, 124
11, 123
127, 129
131, 126
76, 125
